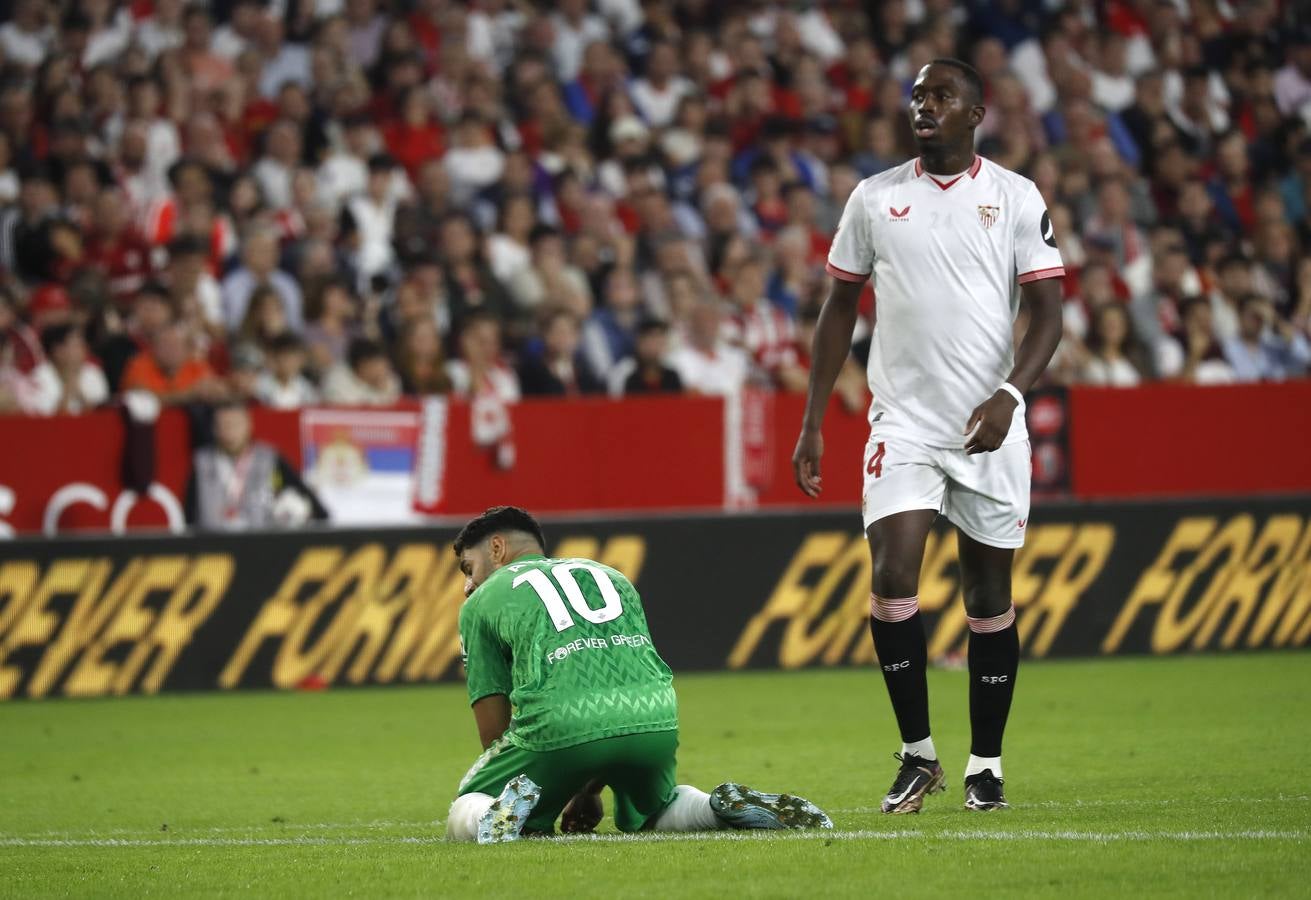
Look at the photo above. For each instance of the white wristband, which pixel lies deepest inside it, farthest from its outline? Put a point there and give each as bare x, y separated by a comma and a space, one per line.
1013, 391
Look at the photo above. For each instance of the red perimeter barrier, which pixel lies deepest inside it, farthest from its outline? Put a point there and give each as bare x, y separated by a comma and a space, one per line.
70, 469
593, 454
668, 453
1178, 440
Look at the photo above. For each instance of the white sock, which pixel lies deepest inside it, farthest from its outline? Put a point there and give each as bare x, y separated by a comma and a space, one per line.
690, 811
923, 749
978, 763
462, 820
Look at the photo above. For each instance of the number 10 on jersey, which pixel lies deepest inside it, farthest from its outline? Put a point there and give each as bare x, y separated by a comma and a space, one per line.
564, 576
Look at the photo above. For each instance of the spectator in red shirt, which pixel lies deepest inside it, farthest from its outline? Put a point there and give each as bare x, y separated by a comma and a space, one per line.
115, 248
761, 328
414, 138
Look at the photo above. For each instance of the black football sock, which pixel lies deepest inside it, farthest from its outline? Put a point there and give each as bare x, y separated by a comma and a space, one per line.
903, 655
994, 657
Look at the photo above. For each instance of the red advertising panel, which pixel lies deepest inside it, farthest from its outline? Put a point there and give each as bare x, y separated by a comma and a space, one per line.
655, 453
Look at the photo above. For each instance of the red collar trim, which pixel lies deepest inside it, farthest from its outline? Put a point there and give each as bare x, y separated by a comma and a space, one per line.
945, 184
973, 172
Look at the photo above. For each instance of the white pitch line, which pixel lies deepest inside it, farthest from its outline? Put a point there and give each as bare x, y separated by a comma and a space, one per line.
257, 828
254, 827
975, 835
300, 841
970, 835
1087, 804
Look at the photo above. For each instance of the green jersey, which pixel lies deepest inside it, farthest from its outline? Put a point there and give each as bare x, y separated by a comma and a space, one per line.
566, 640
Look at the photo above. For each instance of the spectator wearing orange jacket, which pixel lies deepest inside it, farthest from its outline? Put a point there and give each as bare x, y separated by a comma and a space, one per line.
169, 371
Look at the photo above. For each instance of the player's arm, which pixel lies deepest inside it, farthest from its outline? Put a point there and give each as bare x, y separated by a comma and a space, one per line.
1039, 269
993, 416
1046, 325
850, 262
487, 671
492, 713
829, 353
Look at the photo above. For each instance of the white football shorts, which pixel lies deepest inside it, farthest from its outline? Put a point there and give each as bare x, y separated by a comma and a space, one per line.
985, 495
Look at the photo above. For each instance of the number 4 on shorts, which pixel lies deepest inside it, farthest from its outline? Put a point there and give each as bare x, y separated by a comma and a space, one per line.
875, 466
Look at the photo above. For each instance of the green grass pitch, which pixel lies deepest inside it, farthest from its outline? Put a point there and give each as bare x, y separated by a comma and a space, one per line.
1184, 777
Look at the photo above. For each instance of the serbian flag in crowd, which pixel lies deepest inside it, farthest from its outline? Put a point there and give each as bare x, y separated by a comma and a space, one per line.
361, 463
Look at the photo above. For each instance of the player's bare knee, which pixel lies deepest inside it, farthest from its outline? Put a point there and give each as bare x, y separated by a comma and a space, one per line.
894, 579
984, 600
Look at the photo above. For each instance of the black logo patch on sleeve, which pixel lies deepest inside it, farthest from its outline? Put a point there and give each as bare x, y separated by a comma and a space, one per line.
1048, 232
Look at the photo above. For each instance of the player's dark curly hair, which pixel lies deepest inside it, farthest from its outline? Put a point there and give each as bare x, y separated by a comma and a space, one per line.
496, 519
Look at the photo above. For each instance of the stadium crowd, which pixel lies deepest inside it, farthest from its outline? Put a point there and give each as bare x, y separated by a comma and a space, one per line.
347, 201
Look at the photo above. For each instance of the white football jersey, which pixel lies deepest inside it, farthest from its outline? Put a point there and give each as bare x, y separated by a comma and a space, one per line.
948, 256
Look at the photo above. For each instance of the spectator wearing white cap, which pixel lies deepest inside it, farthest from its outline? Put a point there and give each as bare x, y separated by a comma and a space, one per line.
631, 141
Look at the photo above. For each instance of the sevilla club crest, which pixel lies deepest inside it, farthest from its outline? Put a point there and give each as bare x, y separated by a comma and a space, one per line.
988, 215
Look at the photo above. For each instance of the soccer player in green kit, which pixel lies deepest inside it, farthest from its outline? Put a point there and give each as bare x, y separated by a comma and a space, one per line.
570, 697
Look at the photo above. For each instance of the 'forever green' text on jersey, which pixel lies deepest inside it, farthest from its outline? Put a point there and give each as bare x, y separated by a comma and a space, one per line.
567, 641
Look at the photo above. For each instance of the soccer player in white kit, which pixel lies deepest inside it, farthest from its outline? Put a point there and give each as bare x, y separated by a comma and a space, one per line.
954, 243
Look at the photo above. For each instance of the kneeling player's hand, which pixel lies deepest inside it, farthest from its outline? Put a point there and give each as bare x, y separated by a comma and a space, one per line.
583, 814
990, 423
